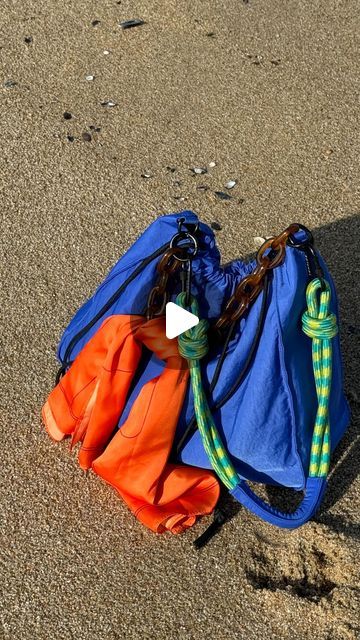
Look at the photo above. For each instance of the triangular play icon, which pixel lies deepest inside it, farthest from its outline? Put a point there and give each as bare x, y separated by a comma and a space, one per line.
178, 320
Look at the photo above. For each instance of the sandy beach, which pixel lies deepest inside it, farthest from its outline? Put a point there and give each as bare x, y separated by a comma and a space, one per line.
100, 127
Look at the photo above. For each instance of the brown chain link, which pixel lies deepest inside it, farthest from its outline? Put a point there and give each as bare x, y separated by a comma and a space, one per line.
158, 297
249, 288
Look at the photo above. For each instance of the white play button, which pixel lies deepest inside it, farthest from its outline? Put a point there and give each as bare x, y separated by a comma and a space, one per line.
178, 320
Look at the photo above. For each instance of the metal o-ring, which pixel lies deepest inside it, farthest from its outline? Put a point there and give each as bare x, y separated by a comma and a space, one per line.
182, 235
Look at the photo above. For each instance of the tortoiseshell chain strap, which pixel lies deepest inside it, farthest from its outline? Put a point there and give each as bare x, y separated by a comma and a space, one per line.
158, 297
249, 288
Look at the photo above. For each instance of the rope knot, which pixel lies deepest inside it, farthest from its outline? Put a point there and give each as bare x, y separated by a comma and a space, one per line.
193, 344
322, 329
317, 321
321, 325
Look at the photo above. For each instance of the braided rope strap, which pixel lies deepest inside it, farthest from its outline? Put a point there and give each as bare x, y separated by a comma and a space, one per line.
193, 345
320, 325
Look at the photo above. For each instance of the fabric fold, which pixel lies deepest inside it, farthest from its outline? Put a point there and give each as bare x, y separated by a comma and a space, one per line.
88, 402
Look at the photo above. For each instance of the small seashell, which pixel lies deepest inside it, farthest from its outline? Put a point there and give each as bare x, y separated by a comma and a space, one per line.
107, 52
198, 170
258, 241
109, 104
128, 24
9, 84
222, 196
89, 78
230, 184
146, 175
212, 164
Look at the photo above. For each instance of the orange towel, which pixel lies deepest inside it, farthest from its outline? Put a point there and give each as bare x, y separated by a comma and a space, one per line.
88, 402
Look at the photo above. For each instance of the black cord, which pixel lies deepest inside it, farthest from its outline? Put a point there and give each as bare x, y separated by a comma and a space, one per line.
111, 301
253, 347
219, 519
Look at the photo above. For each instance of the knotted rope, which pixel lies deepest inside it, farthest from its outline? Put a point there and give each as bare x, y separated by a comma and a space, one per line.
193, 345
320, 325
317, 323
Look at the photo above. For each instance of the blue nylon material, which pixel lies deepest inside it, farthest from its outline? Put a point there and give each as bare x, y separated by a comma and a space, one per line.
133, 300
314, 491
267, 425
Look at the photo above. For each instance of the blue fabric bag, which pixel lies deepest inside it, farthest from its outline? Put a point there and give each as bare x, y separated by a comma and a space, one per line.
264, 402
126, 288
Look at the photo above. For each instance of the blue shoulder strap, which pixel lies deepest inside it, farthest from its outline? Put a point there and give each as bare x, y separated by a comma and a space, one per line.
314, 491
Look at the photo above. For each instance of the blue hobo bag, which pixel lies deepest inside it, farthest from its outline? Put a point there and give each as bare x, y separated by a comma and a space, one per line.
264, 402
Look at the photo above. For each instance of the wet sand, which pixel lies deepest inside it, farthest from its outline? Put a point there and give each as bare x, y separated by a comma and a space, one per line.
271, 97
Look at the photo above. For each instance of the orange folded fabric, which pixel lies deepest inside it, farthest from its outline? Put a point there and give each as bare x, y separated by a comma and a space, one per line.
88, 402
89, 399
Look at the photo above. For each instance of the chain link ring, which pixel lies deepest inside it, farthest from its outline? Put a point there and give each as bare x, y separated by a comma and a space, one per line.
250, 287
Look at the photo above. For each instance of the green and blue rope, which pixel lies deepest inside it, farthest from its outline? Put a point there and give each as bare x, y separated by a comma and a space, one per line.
193, 345
317, 323
320, 324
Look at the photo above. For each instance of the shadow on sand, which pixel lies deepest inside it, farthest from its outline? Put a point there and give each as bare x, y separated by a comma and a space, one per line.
338, 243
